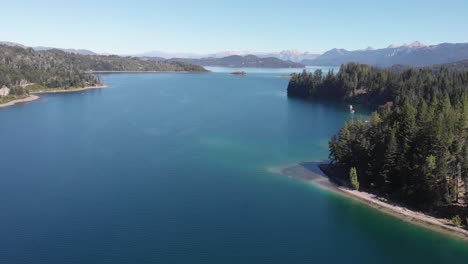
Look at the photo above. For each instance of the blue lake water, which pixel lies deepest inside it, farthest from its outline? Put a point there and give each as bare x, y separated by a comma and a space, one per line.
173, 168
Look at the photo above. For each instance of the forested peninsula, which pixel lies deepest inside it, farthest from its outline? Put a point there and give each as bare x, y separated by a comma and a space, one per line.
249, 61
24, 70
413, 149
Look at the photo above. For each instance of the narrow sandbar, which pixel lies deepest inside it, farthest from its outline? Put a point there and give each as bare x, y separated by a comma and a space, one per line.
33, 95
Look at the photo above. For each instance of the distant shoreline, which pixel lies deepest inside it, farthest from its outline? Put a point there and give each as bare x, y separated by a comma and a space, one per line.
313, 173
184, 72
33, 95
69, 90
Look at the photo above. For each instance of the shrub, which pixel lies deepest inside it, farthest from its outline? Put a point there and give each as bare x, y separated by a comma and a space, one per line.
456, 220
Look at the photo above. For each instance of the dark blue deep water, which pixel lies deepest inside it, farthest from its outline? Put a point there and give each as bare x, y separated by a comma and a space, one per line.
173, 168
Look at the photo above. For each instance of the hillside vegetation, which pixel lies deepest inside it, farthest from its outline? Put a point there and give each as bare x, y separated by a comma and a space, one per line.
58, 69
375, 86
249, 61
414, 147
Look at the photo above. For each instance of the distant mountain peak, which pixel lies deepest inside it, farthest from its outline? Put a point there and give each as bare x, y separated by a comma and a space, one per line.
415, 44
413, 54
292, 52
336, 51
294, 55
286, 55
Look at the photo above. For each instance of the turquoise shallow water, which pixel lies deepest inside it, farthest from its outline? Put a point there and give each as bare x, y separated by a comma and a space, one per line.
173, 168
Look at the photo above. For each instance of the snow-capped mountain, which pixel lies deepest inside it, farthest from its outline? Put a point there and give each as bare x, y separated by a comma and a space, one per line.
287, 55
413, 54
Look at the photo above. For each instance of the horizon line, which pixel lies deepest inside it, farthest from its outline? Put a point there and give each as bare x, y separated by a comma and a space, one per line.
234, 52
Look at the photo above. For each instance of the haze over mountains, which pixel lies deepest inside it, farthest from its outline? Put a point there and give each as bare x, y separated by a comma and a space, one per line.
413, 54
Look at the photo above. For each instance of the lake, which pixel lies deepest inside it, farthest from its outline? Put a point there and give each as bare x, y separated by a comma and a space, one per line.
174, 168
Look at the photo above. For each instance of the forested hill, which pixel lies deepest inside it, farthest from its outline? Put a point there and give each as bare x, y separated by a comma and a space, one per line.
414, 148
249, 61
453, 66
375, 86
56, 68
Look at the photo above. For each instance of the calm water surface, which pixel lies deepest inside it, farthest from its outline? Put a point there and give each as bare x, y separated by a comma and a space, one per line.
173, 168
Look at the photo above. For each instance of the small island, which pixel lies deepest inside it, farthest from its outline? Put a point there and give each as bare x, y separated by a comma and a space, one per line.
240, 73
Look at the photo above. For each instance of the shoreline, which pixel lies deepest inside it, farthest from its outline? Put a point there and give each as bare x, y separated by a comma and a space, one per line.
34, 95
184, 72
311, 173
30, 98
70, 90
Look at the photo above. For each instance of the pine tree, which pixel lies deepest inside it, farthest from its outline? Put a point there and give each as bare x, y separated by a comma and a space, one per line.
389, 162
353, 178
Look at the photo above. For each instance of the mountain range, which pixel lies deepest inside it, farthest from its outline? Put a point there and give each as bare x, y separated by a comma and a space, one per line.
236, 61
287, 55
412, 54
283, 59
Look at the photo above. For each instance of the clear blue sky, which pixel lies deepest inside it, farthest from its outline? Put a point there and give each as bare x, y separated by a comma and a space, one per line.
126, 27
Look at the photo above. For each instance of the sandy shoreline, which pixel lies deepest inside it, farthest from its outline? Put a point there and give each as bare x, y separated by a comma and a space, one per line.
23, 100
311, 173
70, 90
33, 95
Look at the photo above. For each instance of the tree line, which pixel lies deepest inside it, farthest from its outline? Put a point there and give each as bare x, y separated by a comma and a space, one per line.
375, 86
